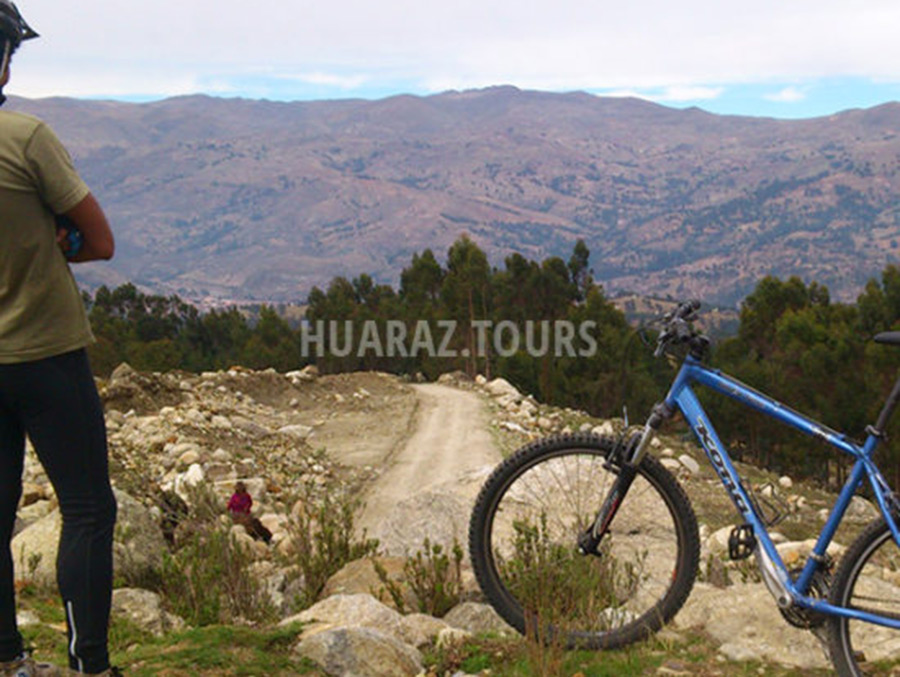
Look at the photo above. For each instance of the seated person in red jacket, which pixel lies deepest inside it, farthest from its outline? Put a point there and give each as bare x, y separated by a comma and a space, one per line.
240, 503
239, 506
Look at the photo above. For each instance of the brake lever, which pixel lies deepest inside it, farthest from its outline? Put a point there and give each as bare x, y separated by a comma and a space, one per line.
661, 343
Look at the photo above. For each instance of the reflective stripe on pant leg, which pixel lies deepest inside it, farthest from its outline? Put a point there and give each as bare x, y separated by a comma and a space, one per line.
70, 615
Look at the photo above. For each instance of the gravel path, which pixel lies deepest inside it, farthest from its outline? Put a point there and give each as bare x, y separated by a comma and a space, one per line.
429, 483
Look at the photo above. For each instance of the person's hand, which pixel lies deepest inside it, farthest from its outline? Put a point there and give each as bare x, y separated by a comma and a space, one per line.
62, 240
96, 239
68, 236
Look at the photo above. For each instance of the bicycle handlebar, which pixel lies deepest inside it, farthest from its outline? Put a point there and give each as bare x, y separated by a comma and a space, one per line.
684, 311
676, 329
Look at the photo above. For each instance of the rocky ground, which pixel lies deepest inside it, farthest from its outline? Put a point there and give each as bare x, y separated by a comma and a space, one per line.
416, 454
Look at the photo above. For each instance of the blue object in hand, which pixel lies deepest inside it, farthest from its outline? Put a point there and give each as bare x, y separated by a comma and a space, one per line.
73, 235
75, 239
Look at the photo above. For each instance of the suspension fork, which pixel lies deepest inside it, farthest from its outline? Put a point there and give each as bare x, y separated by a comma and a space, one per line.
627, 457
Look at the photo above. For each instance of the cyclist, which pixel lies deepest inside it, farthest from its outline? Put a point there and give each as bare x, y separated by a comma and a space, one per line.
47, 390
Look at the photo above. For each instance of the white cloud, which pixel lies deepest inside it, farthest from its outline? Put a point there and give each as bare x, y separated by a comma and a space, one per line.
674, 94
787, 95
38, 82
326, 79
688, 93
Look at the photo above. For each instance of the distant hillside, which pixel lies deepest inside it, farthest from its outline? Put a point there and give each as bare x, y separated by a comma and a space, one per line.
238, 199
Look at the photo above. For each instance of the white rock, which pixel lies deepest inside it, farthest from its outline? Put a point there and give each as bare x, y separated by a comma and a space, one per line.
605, 428
785, 482
358, 651
195, 416
359, 609
274, 522
221, 455
193, 476
860, 511
180, 448
27, 617
527, 407
477, 618
512, 427
689, 463
301, 432
717, 543
422, 630
744, 620
671, 464
222, 422
188, 458
144, 608
500, 387
450, 637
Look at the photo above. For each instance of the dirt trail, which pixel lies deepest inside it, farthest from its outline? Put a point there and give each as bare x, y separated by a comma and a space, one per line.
429, 483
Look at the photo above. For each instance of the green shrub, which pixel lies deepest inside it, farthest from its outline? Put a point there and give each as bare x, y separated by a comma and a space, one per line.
434, 579
325, 541
208, 581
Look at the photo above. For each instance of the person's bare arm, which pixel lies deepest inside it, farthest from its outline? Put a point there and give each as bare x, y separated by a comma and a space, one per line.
91, 221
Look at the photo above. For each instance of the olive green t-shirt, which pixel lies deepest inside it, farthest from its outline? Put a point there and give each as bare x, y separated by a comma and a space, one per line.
41, 311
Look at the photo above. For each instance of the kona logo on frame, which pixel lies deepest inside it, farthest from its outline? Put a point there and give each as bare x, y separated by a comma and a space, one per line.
719, 464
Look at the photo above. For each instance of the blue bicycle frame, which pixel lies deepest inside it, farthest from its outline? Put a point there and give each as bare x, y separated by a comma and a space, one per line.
682, 397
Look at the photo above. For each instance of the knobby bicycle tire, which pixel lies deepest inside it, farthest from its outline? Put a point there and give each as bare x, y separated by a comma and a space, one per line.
523, 545
868, 577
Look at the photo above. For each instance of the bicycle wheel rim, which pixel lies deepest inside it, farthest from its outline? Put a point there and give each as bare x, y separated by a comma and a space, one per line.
874, 585
579, 600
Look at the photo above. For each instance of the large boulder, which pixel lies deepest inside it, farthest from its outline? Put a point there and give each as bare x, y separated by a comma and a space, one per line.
359, 610
143, 608
439, 513
360, 652
757, 632
360, 576
139, 544
477, 618
860, 511
500, 387
34, 549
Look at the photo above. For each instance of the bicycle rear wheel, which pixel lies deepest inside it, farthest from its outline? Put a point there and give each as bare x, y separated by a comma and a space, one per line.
523, 545
868, 578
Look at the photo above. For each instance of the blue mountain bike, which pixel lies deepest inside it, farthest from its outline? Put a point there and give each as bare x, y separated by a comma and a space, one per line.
589, 541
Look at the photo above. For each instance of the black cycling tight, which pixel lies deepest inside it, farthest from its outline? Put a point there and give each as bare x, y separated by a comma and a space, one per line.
55, 402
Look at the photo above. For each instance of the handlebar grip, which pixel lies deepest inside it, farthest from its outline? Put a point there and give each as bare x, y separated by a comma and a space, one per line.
687, 308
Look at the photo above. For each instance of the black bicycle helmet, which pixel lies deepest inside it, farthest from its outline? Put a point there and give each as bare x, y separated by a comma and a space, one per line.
13, 30
12, 25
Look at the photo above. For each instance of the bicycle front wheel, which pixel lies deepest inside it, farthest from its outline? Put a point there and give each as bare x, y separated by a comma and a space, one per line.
523, 544
867, 579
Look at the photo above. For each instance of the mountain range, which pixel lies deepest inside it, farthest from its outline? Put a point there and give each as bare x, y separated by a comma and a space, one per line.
239, 200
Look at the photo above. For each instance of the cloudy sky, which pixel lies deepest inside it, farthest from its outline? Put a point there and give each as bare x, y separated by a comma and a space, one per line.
784, 58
